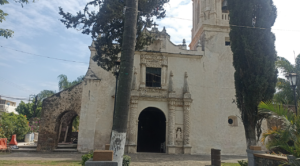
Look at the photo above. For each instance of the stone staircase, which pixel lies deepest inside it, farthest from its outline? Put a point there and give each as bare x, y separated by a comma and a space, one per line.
66, 148
23, 147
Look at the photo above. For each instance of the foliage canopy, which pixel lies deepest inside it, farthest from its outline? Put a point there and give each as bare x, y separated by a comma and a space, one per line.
28, 109
7, 32
106, 26
11, 123
285, 93
254, 58
286, 136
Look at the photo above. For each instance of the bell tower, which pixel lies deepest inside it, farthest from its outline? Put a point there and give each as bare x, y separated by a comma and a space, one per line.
208, 15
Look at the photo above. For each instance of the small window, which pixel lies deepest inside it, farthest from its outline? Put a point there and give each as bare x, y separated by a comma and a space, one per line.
232, 121
153, 77
227, 41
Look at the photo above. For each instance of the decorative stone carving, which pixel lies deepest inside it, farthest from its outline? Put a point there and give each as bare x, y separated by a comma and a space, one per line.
153, 92
186, 89
133, 121
202, 39
179, 137
171, 88
154, 60
134, 84
157, 61
186, 122
171, 123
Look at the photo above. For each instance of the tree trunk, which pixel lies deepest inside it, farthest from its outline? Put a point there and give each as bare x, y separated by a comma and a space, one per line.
118, 137
249, 126
250, 135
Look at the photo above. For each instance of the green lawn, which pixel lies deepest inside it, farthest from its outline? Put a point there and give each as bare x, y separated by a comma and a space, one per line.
59, 163
39, 163
230, 164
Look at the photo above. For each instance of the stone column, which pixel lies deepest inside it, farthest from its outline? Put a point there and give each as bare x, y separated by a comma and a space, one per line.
143, 75
163, 76
186, 122
186, 127
171, 127
132, 142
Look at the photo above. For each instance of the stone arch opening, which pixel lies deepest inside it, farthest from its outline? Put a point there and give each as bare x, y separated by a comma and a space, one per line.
151, 131
65, 128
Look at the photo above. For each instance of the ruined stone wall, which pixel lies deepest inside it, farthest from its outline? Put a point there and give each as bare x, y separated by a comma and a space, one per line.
66, 124
54, 109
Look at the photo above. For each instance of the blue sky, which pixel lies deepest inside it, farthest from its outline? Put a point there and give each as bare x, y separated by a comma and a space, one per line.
39, 31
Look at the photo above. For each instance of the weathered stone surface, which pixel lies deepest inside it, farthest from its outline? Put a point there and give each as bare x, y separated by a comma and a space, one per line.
59, 109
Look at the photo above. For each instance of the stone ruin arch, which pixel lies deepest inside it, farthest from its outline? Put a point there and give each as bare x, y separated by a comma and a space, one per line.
58, 113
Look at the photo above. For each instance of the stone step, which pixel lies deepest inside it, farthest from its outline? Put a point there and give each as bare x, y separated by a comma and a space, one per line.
65, 150
27, 146
67, 146
24, 150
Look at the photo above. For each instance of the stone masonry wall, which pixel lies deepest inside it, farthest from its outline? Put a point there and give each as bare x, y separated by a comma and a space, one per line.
54, 108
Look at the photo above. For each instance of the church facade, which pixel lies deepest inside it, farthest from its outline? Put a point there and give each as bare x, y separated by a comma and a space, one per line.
181, 100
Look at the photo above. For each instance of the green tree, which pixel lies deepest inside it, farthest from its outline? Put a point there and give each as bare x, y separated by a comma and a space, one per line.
45, 93
12, 123
28, 109
106, 26
7, 32
254, 59
64, 83
285, 94
75, 124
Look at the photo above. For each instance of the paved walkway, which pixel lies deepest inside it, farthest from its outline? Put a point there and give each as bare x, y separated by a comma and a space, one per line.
139, 159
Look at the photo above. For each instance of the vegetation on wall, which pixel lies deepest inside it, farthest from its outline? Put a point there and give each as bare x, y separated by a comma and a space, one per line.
254, 59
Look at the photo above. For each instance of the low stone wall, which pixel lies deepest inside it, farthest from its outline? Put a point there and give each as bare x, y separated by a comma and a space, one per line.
269, 160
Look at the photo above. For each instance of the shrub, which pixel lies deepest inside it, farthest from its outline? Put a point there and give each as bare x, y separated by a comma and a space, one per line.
11, 123
243, 163
86, 157
34, 124
126, 160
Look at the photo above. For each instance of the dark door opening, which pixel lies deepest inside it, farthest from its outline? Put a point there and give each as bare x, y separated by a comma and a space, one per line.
151, 131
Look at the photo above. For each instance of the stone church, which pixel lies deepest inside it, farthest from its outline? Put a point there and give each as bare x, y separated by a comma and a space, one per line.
181, 99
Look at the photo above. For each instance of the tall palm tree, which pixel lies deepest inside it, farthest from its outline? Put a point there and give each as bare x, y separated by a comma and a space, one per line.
285, 93
64, 83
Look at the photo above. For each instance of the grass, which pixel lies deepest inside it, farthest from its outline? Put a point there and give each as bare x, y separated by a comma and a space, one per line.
38, 163
230, 164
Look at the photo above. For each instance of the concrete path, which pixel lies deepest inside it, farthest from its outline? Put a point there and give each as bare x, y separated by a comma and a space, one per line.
139, 159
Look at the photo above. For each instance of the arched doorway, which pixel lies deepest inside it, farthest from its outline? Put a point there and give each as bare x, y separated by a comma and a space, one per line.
67, 128
151, 131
